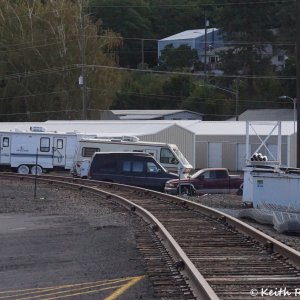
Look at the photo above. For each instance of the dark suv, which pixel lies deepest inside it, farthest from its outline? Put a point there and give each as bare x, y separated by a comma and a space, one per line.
131, 168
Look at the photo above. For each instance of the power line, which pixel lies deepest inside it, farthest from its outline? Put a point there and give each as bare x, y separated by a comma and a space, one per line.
143, 95
41, 112
33, 95
184, 98
78, 66
194, 74
193, 5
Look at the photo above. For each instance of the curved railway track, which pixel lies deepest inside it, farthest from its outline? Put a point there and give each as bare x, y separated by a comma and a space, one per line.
220, 256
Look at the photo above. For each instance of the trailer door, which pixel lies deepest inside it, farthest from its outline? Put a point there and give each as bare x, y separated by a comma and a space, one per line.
59, 151
5, 142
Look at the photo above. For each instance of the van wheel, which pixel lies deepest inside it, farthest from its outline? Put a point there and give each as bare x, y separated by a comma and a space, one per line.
23, 169
36, 170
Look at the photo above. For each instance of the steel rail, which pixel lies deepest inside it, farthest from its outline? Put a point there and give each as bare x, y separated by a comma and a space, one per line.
200, 287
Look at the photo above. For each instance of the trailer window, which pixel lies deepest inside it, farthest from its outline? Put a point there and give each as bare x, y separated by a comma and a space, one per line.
89, 151
45, 144
167, 157
60, 144
5, 142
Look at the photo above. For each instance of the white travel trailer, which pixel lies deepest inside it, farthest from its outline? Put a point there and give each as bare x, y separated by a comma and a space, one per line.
37, 150
168, 155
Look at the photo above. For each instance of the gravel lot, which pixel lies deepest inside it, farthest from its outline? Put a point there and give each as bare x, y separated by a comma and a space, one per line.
232, 204
60, 238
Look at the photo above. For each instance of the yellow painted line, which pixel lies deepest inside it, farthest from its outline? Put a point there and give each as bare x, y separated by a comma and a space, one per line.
69, 291
45, 289
124, 288
78, 294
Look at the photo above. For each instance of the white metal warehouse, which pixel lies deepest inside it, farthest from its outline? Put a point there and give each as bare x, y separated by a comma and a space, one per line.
204, 143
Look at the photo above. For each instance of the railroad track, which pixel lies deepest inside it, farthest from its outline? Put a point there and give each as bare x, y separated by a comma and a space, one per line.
219, 256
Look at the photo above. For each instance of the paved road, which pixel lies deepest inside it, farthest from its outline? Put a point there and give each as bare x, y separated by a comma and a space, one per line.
65, 256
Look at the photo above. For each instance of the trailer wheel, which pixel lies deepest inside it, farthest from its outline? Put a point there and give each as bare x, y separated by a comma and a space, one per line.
36, 170
23, 169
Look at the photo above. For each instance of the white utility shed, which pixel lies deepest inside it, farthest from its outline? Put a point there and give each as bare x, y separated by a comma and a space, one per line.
223, 144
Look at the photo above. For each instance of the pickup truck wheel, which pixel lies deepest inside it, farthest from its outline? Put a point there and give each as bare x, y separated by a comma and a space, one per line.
240, 190
187, 190
23, 169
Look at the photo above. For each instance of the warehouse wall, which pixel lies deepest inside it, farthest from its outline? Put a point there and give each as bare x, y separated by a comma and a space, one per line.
183, 138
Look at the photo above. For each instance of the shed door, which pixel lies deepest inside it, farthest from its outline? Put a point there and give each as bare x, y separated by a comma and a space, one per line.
241, 156
5, 142
215, 155
59, 151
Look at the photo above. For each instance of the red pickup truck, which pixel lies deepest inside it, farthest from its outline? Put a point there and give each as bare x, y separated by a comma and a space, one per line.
206, 181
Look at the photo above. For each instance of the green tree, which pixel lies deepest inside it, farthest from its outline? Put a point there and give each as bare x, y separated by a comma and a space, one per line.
182, 57
40, 60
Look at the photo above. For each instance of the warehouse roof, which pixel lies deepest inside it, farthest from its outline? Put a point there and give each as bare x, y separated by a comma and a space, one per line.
267, 114
103, 128
147, 127
189, 34
238, 127
150, 114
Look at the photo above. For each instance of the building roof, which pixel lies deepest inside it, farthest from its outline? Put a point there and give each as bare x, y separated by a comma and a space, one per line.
148, 127
189, 34
267, 115
101, 128
149, 114
151, 111
238, 128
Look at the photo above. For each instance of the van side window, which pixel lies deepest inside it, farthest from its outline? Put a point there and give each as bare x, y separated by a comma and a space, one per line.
89, 151
126, 166
152, 168
5, 142
167, 157
137, 166
107, 165
45, 144
132, 166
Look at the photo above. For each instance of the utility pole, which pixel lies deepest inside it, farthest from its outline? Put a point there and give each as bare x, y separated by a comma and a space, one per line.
83, 77
237, 91
205, 44
143, 58
298, 77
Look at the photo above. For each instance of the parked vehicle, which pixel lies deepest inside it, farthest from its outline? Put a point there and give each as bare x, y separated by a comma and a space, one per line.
37, 150
206, 181
168, 155
130, 168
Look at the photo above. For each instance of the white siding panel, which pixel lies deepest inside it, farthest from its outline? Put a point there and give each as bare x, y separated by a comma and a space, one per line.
241, 156
215, 155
